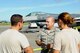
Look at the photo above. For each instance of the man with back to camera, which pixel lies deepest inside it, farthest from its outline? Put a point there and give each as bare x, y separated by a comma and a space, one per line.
11, 40
46, 36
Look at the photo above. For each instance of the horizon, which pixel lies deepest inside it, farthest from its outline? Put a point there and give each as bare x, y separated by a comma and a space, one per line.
73, 15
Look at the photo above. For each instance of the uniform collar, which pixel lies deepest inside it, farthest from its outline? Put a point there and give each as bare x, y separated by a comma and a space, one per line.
51, 31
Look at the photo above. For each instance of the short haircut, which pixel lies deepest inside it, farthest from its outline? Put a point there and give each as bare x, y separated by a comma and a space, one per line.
52, 18
15, 18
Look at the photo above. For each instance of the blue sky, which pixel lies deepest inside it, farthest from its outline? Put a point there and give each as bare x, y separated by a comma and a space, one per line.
24, 7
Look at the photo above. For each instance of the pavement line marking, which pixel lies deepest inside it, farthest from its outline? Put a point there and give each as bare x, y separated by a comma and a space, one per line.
37, 49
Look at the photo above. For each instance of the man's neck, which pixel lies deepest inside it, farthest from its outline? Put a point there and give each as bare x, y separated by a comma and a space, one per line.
50, 28
65, 27
15, 28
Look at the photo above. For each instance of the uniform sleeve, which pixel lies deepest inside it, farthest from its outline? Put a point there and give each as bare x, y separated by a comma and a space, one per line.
57, 30
24, 41
39, 36
57, 42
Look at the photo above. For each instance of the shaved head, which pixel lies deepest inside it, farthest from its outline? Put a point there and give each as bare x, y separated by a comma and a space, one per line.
51, 18
50, 22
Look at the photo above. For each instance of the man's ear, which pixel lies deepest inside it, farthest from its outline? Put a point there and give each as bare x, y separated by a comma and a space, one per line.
18, 23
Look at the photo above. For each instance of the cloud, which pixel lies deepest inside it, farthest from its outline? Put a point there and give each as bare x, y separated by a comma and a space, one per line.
58, 4
3, 10
21, 8
33, 7
14, 9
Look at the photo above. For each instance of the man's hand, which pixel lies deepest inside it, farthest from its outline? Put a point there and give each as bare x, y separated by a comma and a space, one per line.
49, 46
56, 51
38, 42
28, 49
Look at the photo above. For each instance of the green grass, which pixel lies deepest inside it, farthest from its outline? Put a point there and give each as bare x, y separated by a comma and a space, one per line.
25, 23
3, 24
78, 27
